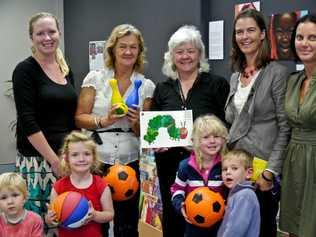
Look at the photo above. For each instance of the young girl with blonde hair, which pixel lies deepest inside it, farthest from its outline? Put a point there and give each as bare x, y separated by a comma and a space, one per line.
202, 168
79, 161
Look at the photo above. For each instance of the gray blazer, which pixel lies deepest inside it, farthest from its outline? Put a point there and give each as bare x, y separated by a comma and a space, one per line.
261, 128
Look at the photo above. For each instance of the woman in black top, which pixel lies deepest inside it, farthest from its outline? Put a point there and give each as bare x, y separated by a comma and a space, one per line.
46, 102
189, 86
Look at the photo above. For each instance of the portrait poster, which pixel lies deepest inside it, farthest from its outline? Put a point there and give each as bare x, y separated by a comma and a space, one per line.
166, 128
96, 61
150, 205
243, 6
281, 26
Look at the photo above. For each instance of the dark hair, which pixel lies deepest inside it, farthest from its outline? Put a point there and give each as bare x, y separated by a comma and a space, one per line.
238, 59
307, 18
277, 17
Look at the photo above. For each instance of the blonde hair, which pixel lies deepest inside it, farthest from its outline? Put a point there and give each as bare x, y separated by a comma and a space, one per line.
59, 54
12, 180
207, 124
185, 34
241, 155
117, 33
75, 137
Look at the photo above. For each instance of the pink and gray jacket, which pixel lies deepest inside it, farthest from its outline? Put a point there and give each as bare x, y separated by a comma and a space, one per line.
190, 177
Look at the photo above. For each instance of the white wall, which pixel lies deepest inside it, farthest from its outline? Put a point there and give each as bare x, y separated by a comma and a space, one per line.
14, 47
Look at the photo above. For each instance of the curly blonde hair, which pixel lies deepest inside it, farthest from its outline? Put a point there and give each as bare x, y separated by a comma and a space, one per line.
117, 33
75, 137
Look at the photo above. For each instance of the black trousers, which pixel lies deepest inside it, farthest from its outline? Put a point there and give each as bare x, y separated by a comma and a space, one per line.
173, 224
194, 231
269, 205
126, 213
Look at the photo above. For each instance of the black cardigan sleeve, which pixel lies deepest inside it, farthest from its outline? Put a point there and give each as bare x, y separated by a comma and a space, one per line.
24, 89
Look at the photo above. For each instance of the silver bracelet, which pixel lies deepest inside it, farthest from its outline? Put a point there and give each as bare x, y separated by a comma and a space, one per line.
97, 122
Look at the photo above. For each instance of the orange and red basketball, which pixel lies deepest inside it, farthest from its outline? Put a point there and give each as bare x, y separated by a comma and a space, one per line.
71, 209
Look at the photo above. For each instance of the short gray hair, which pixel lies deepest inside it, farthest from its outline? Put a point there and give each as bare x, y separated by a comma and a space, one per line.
185, 34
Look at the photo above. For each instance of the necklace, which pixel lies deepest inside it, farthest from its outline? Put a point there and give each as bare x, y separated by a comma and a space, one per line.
248, 72
184, 99
247, 75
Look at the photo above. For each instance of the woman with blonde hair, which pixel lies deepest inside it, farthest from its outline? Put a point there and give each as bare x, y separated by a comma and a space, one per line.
117, 135
46, 101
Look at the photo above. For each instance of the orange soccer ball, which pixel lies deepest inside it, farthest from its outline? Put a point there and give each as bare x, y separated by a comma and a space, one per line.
204, 207
122, 181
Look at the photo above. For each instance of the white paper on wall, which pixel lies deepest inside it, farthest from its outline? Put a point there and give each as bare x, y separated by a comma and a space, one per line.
216, 40
96, 61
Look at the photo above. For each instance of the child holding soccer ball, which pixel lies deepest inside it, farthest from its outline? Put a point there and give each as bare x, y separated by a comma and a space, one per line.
15, 221
79, 161
242, 215
202, 168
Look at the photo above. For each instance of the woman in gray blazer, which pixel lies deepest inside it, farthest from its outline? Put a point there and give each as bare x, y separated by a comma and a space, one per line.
255, 108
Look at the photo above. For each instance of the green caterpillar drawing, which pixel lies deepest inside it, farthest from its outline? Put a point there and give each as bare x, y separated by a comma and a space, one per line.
164, 121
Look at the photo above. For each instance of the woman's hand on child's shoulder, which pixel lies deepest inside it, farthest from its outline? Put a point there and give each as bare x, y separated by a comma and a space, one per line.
184, 214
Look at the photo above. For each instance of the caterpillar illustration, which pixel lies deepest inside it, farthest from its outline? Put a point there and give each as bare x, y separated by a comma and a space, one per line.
164, 121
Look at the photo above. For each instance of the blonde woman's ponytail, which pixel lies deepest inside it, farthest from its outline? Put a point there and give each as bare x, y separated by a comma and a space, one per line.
62, 62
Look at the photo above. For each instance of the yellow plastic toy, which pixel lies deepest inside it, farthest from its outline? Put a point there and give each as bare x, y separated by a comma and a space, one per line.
259, 165
117, 98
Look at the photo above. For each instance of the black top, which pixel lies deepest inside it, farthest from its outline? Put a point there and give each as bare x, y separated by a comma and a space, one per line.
42, 105
207, 96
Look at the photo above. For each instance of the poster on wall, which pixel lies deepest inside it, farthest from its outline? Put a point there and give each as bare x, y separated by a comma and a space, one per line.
247, 5
166, 128
150, 205
216, 40
281, 26
96, 61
